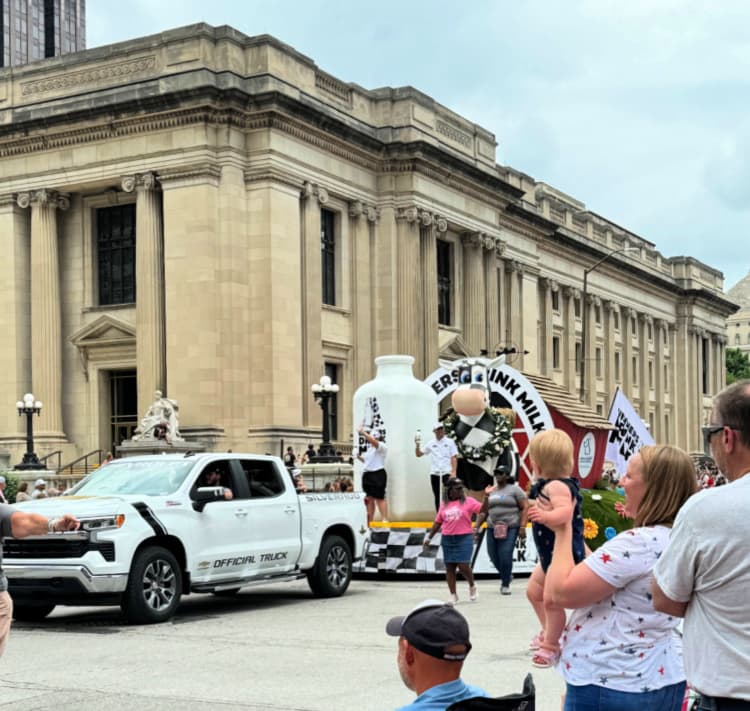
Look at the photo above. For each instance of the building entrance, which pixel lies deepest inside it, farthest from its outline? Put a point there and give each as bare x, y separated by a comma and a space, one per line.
123, 394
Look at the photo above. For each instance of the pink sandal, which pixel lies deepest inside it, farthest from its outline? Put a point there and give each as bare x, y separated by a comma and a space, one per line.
545, 658
537, 641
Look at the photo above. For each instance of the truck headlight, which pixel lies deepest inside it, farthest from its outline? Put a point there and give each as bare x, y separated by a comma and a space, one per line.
102, 523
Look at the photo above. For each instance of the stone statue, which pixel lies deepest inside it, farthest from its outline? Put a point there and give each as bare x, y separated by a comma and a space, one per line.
161, 421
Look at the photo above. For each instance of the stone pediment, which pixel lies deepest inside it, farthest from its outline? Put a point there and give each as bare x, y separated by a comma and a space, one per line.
105, 340
105, 330
452, 346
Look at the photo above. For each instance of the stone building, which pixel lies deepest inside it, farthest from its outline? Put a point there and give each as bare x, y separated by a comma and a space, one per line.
212, 215
738, 324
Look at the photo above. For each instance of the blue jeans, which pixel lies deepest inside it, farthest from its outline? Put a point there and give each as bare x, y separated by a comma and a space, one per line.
599, 698
500, 551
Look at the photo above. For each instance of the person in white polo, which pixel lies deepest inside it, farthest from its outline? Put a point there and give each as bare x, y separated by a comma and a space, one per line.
443, 459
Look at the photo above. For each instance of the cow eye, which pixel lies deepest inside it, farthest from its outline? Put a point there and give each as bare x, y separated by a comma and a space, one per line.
464, 377
479, 377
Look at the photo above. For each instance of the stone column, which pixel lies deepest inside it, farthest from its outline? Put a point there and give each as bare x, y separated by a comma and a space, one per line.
409, 283
149, 279
313, 199
493, 334
46, 339
474, 291
428, 256
362, 219
610, 348
514, 275
569, 346
628, 315
546, 287
644, 383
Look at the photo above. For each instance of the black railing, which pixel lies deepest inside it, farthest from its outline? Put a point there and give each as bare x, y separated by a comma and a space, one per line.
46, 457
97, 455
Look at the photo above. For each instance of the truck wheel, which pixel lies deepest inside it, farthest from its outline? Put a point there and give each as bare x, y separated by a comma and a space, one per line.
332, 573
31, 612
154, 587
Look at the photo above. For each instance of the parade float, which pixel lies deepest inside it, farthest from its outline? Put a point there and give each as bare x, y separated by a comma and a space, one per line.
495, 412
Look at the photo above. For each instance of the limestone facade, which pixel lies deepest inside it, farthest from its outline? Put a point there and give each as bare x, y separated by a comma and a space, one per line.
738, 324
255, 178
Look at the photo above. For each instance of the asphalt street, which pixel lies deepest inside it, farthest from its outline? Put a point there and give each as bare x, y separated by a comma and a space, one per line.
273, 647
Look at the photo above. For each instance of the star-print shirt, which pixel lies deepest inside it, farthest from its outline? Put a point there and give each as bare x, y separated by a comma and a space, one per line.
621, 642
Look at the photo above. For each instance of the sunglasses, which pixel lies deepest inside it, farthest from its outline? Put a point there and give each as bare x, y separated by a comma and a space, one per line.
709, 431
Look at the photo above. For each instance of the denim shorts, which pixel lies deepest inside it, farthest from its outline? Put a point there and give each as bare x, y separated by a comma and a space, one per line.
599, 698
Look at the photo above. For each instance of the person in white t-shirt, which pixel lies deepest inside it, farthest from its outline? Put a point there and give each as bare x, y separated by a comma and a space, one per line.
443, 459
374, 476
618, 653
704, 574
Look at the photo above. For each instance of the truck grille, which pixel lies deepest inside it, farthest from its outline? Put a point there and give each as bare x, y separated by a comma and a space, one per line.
40, 548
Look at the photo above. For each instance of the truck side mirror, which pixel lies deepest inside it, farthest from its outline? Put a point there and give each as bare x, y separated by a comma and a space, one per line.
206, 494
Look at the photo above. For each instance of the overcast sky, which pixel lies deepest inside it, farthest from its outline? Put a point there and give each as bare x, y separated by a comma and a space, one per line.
640, 109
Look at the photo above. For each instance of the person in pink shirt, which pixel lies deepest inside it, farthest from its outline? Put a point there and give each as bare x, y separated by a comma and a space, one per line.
457, 541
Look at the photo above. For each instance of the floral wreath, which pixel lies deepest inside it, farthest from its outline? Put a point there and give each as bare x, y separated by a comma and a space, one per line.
500, 440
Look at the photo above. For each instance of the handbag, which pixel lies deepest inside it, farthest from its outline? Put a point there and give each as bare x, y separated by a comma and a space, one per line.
500, 530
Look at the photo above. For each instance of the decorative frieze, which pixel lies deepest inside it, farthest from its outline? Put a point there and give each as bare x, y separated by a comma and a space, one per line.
120, 71
454, 134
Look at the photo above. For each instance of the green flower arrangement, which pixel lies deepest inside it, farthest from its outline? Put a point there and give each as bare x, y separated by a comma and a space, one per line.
504, 421
599, 514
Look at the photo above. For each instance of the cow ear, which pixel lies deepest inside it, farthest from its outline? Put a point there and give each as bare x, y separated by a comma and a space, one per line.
496, 363
449, 365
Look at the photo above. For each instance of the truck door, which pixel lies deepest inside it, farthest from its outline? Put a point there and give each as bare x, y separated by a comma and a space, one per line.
274, 516
221, 539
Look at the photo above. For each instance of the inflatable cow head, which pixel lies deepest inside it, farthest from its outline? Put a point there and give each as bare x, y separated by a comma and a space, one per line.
472, 394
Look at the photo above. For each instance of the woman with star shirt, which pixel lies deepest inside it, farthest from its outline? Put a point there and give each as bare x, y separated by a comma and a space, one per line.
618, 653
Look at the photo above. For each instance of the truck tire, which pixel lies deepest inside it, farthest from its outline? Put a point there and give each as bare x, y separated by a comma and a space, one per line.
154, 587
31, 612
332, 572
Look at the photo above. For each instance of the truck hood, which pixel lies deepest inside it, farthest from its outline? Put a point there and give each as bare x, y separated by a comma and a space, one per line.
83, 506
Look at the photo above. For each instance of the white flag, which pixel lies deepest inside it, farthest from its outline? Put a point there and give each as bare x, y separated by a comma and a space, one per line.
629, 433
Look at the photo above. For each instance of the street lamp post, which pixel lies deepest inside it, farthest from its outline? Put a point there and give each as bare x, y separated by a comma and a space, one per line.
29, 407
585, 319
323, 392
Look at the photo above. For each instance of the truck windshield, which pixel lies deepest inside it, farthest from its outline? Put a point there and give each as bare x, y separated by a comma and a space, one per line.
148, 478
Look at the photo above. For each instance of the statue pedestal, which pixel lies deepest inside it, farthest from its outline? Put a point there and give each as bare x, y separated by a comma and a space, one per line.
130, 448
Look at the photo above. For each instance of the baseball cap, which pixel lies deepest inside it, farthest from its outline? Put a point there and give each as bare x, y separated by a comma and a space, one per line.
438, 426
40, 482
433, 627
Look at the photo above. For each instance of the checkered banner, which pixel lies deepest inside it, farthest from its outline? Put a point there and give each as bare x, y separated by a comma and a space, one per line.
400, 550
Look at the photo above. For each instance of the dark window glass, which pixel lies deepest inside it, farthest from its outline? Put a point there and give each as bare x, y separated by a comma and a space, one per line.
579, 353
332, 371
115, 245
262, 478
124, 403
704, 364
328, 255
555, 300
444, 281
49, 28
556, 352
577, 307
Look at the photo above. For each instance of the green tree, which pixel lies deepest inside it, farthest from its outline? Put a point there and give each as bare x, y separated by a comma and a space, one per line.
738, 365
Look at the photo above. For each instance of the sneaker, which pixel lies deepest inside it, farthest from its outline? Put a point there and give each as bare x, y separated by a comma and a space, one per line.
453, 600
505, 590
473, 594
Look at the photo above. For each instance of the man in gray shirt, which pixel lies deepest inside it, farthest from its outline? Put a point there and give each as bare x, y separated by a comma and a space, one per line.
20, 524
704, 573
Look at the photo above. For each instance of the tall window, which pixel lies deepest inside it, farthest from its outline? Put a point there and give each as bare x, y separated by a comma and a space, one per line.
115, 247
617, 366
579, 351
328, 255
577, 307
332, 371
598, 362
635, 370
616, 316
704, 365
651, 374
49, 28
598, 314
445, 281
555, 300
556, 352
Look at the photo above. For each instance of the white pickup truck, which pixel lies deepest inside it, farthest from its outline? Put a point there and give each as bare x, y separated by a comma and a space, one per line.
157, 527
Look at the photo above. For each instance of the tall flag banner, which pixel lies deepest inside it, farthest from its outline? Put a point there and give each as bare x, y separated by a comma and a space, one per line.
629, 433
